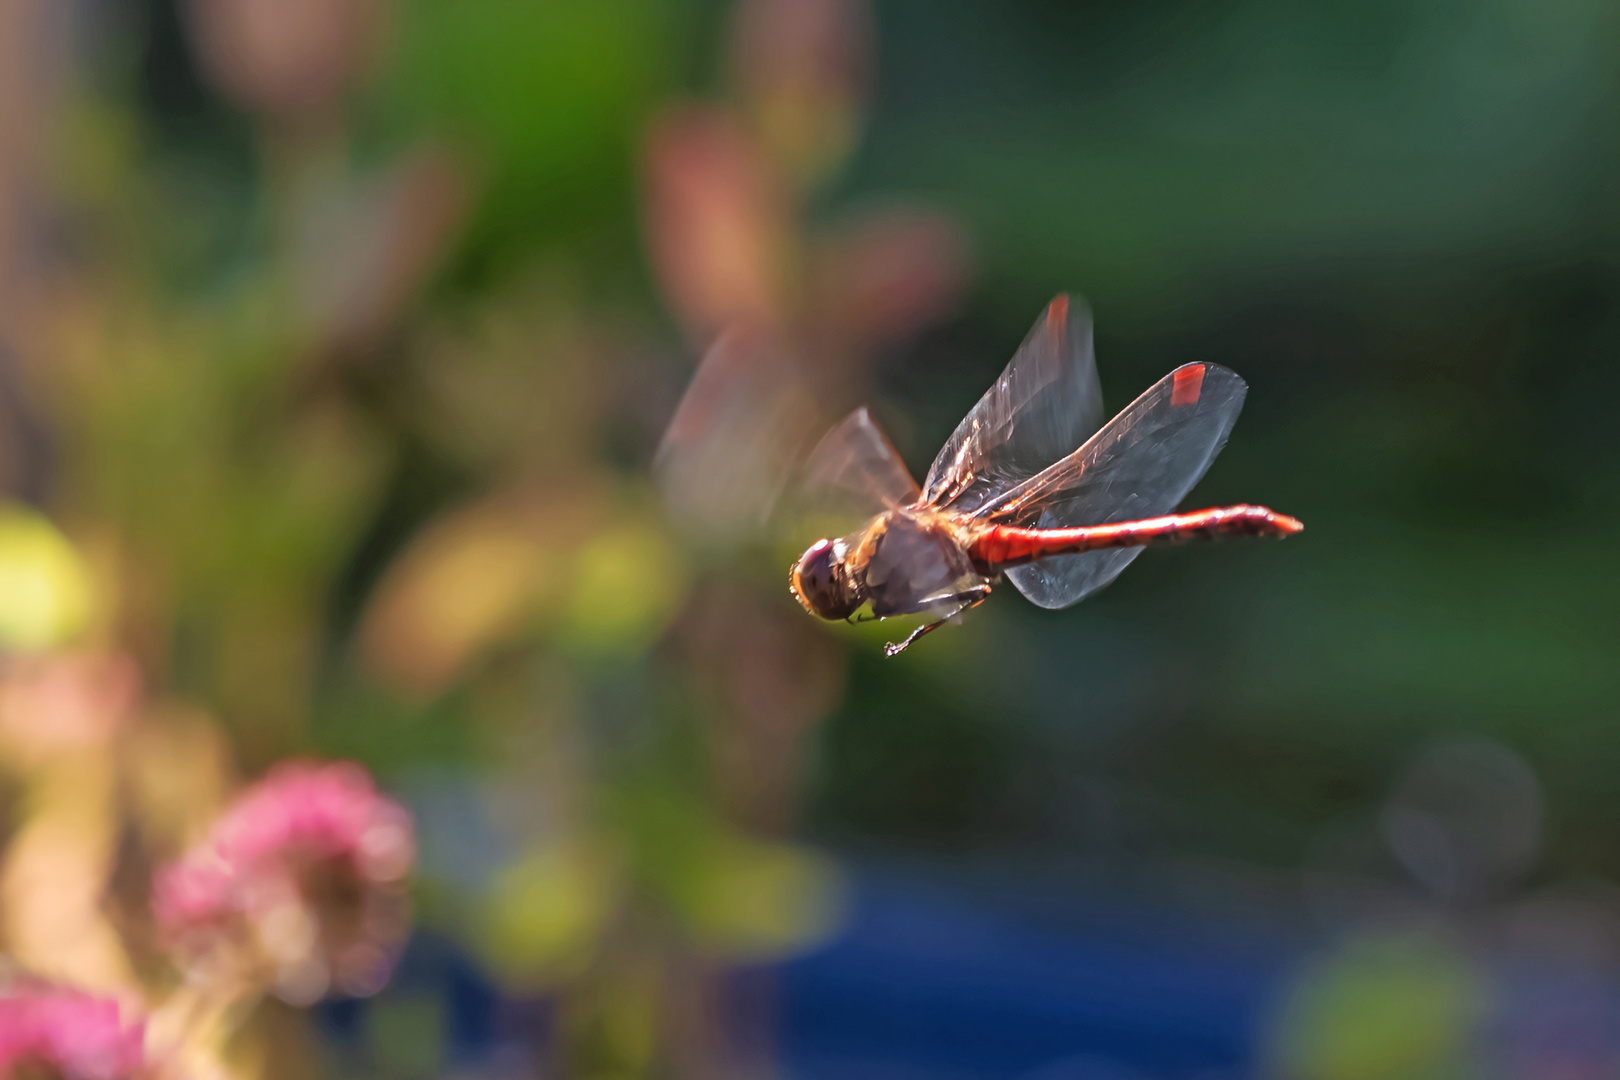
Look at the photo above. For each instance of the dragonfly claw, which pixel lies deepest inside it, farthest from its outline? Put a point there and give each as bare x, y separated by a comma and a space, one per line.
970, 599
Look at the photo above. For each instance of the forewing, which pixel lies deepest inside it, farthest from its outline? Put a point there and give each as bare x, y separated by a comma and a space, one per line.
857, 460
735, 439
1141, 465
1045, 404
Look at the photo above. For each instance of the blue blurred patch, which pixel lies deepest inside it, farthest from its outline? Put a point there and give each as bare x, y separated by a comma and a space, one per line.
927, 979
924, 982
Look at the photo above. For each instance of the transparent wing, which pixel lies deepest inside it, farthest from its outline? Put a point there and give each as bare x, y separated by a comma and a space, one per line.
1045, 404
1142, 464
735, 438
857, 459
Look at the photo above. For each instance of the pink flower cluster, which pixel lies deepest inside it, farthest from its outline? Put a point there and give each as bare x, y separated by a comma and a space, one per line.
69, 1033
312, 860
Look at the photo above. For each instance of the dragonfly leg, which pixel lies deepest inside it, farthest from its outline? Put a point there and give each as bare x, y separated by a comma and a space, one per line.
970, 599
862, 616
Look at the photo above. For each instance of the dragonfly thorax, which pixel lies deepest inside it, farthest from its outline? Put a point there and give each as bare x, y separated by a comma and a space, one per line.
910, 562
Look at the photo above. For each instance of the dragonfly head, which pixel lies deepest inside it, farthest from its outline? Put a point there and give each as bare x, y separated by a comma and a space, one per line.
820, 581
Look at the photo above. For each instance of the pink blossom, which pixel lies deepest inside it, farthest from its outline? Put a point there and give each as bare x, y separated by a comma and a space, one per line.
70, 1033
311, 861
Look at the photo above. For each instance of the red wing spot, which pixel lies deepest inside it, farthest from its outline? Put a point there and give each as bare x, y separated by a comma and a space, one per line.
1189, 382
1057, 313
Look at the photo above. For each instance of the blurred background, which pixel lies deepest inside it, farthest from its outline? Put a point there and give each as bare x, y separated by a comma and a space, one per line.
337, 338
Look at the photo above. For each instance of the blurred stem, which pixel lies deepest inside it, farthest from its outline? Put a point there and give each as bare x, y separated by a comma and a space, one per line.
56, 871
302, 158
197, 1023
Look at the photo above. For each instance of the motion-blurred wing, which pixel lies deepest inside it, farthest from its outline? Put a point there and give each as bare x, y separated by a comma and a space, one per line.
857, 460
1142, 464
1045, 404
734, 441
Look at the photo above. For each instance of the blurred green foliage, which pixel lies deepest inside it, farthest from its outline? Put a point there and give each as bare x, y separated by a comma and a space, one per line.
1384, 1007
547, 100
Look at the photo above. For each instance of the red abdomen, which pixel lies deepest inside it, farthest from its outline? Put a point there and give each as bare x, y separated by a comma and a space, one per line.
1001, 546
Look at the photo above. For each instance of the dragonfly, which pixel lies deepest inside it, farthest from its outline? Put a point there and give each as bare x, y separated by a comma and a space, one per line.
1031, 486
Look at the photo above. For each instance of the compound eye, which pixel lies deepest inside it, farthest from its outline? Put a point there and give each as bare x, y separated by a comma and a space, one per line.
818, 583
